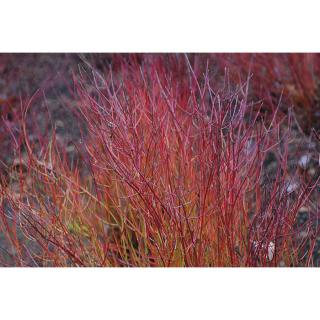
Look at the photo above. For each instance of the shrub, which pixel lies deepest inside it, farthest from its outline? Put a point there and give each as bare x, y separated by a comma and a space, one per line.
175, 176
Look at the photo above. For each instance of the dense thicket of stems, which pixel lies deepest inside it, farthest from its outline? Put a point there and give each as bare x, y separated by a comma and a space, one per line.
175, 176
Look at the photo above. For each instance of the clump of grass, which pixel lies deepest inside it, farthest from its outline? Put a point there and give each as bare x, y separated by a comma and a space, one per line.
174, 177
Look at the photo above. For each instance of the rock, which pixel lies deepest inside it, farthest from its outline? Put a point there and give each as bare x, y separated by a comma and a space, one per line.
304, 161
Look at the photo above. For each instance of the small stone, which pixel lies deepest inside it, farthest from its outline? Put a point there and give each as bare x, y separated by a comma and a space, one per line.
312, 171
271, 249
59, 124
304, 161
70, 148
282, 264
303, 210
303, 234
292, 186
